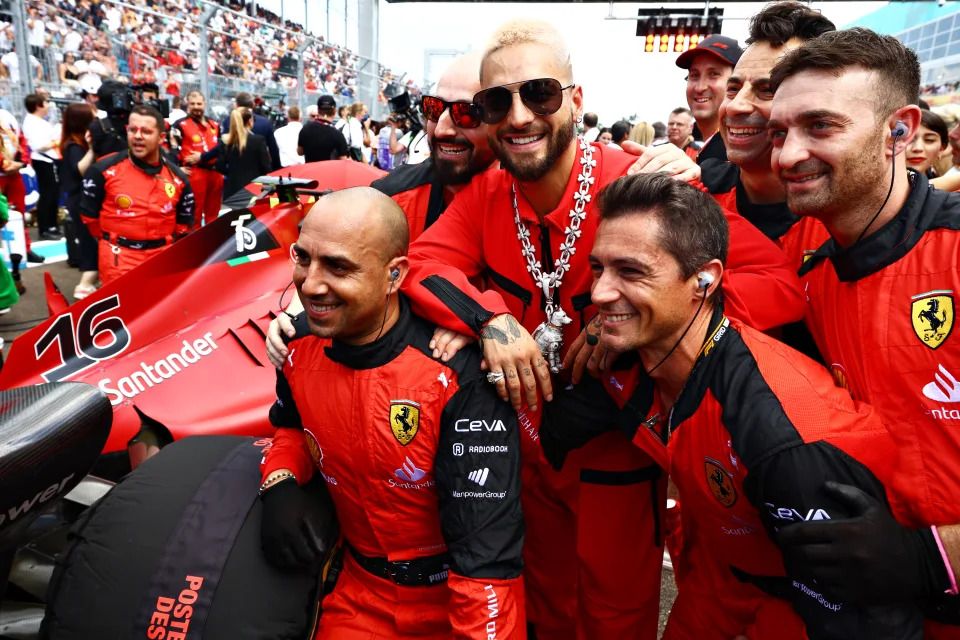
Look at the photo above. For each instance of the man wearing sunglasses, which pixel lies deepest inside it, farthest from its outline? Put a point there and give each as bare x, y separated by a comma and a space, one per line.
458, 148
592, 552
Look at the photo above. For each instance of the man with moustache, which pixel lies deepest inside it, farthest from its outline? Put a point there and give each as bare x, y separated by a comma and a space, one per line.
708, 67
194, 140
592, 556
458, 148
135, 200
882, 308
745, 183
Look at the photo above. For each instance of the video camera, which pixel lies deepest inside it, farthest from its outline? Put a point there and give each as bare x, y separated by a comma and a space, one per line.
405, 106
277, 116
119, 99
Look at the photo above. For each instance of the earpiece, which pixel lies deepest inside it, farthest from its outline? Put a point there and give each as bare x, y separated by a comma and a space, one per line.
899, 130
704, 280
394, 275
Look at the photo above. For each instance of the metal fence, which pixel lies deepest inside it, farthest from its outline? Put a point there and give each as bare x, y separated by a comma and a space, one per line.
219, 89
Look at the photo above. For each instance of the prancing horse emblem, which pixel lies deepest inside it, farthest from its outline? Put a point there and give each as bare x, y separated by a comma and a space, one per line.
932, 315
404, 420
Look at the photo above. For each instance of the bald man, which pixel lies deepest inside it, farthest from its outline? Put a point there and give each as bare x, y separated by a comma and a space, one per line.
457, 151
421, 457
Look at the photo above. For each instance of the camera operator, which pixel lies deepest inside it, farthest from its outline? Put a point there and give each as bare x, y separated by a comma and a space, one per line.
414, 142
108, 135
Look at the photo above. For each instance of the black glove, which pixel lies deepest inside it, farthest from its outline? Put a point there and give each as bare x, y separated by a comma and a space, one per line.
866, 558
291, 532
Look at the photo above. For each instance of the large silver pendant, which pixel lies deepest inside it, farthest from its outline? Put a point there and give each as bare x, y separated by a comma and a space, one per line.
549, 337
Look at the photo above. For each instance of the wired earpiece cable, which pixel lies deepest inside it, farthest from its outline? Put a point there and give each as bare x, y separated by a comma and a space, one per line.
897, 134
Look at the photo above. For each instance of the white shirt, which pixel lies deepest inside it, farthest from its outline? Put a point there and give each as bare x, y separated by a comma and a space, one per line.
354, 133
91, 74
287, 136
591, 134
12, 62
39, 134
417, 147
176, 114
37, 34
73, 41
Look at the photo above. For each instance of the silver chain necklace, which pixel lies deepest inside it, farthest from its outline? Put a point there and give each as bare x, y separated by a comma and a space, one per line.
548, 335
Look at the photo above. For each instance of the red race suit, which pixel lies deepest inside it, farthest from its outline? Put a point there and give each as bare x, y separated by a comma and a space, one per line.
586, 574
883, 313
137, 208
754, 435
418, 191
201, 137
798, 237
423, 462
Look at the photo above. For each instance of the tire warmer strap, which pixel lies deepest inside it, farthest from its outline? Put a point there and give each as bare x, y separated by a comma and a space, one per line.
183, 584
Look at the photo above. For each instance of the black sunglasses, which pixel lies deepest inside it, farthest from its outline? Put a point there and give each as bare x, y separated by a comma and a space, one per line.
542, 96
464, 114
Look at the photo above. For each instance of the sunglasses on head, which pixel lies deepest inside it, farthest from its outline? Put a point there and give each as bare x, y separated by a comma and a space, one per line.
542, 96
464, 114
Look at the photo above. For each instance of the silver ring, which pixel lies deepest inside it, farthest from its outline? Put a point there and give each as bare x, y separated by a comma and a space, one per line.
495, 377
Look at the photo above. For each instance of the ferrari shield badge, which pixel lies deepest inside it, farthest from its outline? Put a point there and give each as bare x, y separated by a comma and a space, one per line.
404, 420
170, 189
316, 453
720, 482
932, 315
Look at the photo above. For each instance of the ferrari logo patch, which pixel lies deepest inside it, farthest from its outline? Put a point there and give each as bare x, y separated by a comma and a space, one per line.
316, 453
720, 482
932, 314
170, 189
404, 420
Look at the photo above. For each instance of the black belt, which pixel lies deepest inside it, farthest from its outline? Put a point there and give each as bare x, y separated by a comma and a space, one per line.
420, 572
135, 244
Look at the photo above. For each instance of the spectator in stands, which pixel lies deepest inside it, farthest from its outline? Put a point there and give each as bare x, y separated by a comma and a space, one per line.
243, 156
72, 41
680, 131
619, 132
261, 127
67, 70
357, 130
77, 158
92, 72
10, 67
590, 121
288, 137
924, 150
642, 133
659, 132
43, 143
320, 139
605, 137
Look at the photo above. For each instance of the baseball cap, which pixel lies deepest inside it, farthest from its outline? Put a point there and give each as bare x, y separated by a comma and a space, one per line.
326, 102
727, 49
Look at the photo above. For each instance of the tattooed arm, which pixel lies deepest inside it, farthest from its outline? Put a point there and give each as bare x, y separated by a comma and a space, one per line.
509, 349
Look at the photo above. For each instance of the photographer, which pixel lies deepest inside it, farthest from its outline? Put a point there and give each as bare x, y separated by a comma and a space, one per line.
413, 142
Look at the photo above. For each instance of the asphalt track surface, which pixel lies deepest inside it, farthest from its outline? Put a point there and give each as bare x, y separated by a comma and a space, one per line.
32, 309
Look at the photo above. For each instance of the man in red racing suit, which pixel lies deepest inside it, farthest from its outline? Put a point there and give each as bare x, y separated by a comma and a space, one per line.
135, 201
195, 139
882, 310
749, 430
421, 457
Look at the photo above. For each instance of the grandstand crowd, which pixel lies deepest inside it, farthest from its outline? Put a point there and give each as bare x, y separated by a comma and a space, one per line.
158, 40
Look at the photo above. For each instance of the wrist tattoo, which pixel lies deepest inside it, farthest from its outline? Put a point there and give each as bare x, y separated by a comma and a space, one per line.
513, 327
493, 333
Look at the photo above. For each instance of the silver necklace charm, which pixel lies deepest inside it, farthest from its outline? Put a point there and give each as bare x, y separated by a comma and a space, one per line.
549, 335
